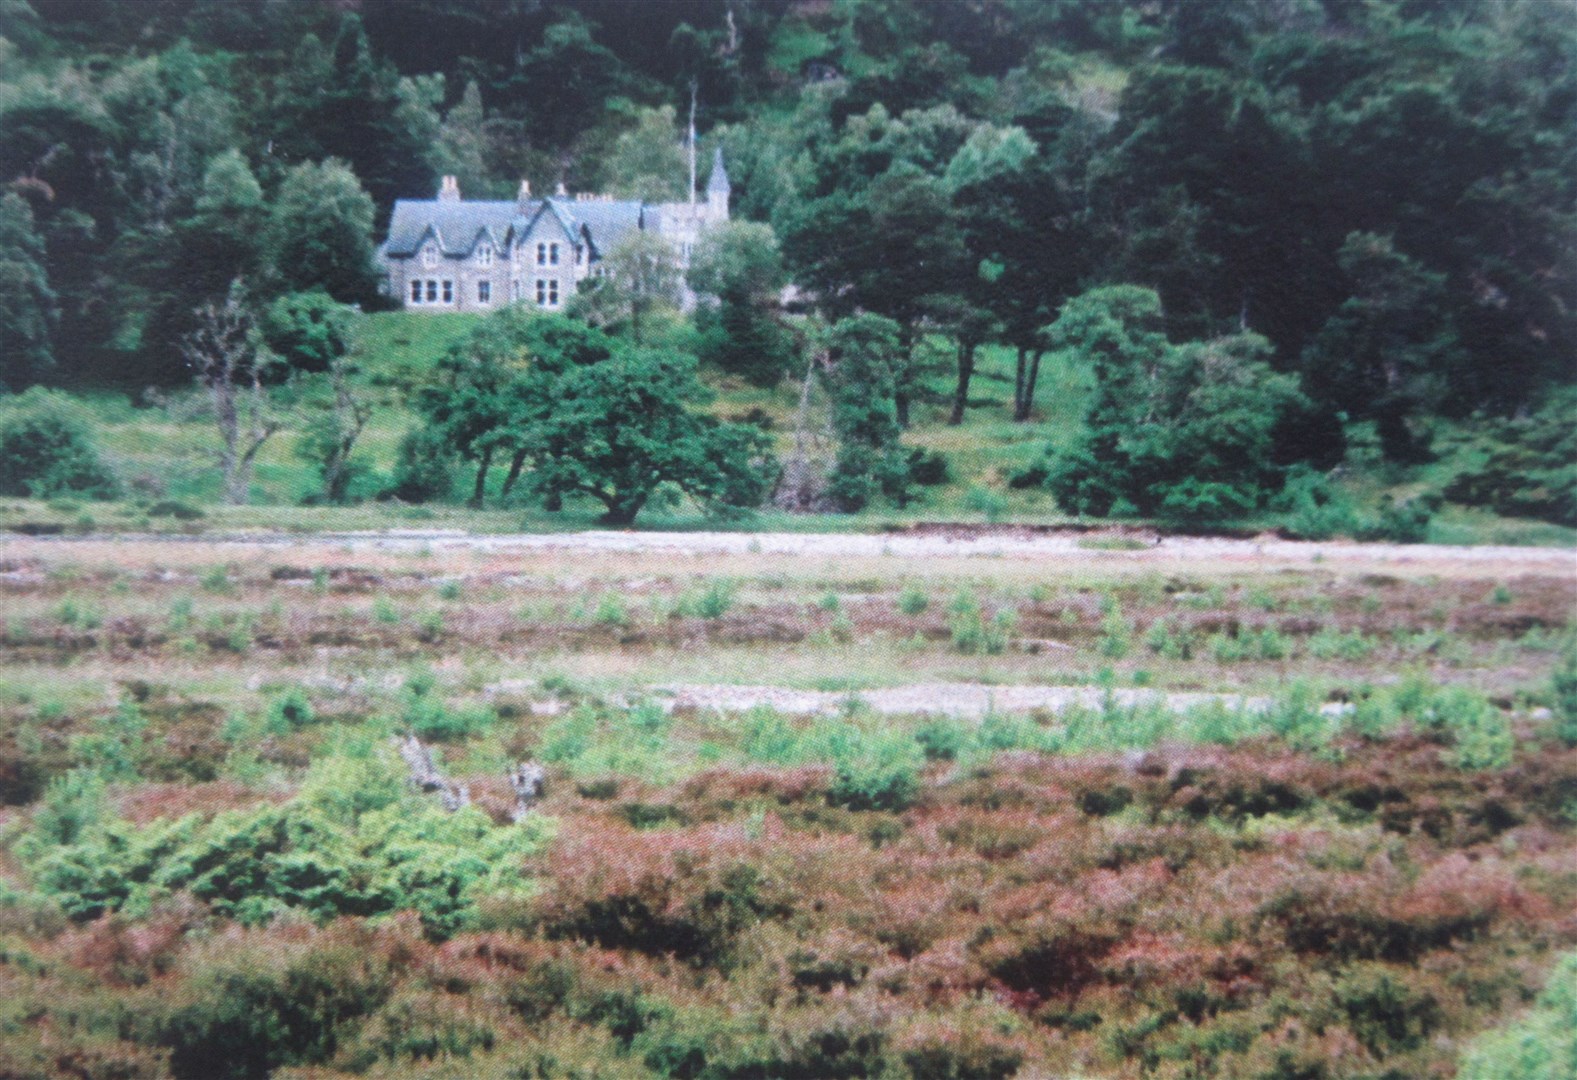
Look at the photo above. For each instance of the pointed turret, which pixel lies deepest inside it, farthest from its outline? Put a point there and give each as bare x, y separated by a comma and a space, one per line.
717, 188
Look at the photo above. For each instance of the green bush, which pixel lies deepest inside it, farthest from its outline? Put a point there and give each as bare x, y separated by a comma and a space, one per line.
1563, 688
876, 768
46, 450
972, 632
423, 467
356, 840
1481, 733
256, 1008
1532, 469
1539, 1045
913, 601
289, 711
1116, 633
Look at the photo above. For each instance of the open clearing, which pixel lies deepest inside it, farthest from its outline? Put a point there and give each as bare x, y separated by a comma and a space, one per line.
978, 802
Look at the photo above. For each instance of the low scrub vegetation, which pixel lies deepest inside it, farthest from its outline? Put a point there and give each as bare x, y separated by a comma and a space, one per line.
1348, 856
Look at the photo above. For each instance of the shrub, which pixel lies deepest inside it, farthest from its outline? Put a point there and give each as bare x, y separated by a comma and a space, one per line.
715, 601
46, 450
611, 611
289, 711
712, 602
1563, 687
1482, 735
1532, 470
1116, 633
1540, 1045
429, 718
928, 468
987, 503
1405, 522
73, 804
175, 508
354, 841
256, 1006
423, 467
913, 601
875, 768
972, 632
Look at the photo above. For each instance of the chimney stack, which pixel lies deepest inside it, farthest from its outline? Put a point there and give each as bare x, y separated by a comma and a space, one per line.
524, 198
561, 192
450, 189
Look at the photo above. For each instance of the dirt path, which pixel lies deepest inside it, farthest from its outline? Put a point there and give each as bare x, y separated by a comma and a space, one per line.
972, 700
1072, 549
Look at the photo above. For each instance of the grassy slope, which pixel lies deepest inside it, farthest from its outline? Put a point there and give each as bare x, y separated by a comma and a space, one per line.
172, 450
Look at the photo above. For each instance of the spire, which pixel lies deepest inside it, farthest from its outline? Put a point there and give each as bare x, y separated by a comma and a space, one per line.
692, 142
718, 184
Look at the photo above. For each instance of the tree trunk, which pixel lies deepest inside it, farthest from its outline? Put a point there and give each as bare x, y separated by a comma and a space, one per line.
481, 478
516, 463
901, 376
229, 437
622, 513
1027, 400
1019, 373
966, 370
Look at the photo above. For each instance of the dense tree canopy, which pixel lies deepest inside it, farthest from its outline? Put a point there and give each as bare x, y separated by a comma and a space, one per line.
1384, 192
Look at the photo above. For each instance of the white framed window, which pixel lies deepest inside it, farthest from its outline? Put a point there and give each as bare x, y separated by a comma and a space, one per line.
484, 255
448, 292
553, 292
416, 292
432, 291
484, 292
553, 254
542, 254
542, 292
580, 255
430, 255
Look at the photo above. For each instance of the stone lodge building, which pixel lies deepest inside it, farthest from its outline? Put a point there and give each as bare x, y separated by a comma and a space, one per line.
454, 254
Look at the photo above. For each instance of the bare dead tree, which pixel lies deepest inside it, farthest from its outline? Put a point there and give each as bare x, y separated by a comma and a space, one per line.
223, 352
802, 486
345, 423
426, 777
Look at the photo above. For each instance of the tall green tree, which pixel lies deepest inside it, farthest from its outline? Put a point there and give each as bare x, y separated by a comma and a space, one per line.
1186, 432
27, 304
1388, 351
737, 270
622, 430
864, 358
319, 234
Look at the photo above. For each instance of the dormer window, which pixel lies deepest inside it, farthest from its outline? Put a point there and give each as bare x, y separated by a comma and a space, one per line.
484, 255
430, 255
553, 254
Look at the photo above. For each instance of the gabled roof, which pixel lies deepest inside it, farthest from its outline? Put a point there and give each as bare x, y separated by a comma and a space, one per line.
605, 223
457, 225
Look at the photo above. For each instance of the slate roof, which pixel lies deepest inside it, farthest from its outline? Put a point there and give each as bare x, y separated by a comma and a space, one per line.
605, 223
459, 224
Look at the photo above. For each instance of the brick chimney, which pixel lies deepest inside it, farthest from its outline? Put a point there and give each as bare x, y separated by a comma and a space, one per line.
523, 199
449, 190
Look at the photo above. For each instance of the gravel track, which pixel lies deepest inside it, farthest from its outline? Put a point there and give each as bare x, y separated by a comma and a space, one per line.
1073, 547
